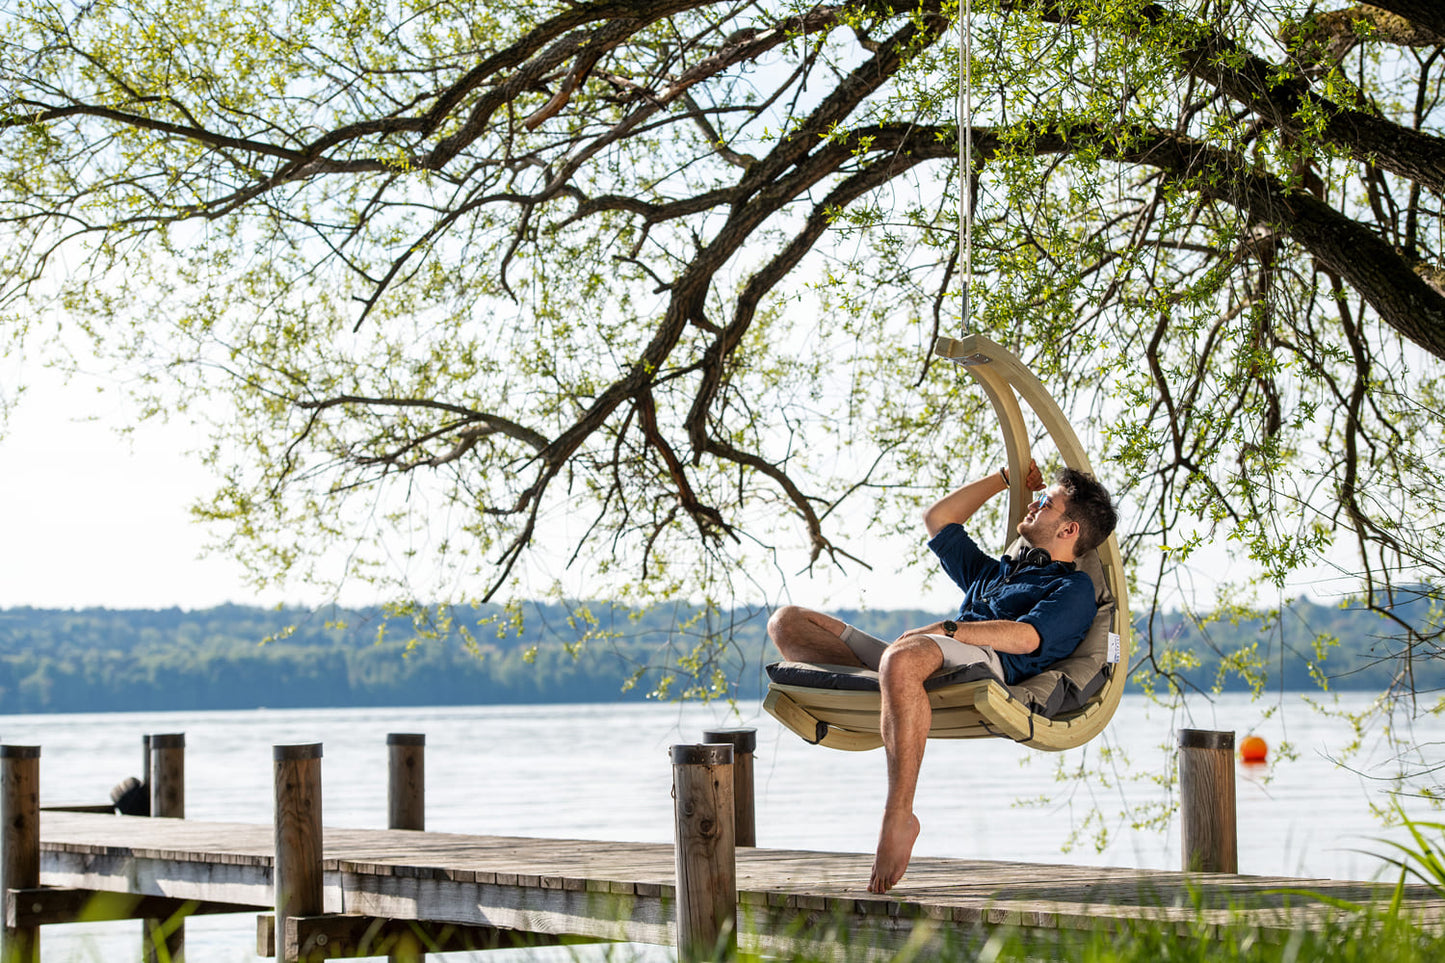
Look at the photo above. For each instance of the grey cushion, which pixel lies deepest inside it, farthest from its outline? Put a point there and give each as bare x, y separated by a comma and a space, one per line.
859, 679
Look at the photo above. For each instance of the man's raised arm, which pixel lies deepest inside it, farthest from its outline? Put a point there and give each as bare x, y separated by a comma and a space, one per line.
959, 505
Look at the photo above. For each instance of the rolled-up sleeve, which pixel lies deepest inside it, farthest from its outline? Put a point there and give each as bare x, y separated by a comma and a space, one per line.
960, 557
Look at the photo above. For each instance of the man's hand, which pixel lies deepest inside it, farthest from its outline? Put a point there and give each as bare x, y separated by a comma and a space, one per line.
934, 629
1034, 479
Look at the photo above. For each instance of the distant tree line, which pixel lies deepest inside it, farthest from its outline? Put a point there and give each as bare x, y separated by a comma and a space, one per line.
233, 657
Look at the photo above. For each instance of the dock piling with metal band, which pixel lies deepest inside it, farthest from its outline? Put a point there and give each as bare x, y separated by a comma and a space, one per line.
707, 891
299, 870
1210, 842
406, 781
165, 781
406, 809
745, 744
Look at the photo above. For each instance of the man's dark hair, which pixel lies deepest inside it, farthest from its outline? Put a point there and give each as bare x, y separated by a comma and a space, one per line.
1090, 506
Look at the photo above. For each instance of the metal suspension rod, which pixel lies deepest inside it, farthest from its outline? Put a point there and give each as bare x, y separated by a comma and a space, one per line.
965, 155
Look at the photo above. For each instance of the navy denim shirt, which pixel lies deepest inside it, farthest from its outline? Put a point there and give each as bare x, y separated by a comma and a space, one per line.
1056, 599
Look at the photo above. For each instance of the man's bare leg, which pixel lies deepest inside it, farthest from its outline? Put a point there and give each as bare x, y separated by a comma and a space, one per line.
803, 635
905, 718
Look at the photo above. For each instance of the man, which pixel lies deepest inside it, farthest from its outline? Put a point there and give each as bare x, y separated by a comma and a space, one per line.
1018, 617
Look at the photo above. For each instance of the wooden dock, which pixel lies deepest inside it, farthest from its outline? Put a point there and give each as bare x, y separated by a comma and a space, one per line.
321, 893
625, 891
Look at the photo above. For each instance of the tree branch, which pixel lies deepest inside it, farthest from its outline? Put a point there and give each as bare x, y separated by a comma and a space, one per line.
1404, 299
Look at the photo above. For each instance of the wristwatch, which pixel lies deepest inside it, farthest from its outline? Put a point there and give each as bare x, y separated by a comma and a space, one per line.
949, 627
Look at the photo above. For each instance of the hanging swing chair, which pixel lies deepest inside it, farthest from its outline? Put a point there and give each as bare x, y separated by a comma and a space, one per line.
1062, 707
1067, 704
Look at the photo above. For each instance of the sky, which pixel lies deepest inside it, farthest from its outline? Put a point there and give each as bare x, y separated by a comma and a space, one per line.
92, 518
96, 518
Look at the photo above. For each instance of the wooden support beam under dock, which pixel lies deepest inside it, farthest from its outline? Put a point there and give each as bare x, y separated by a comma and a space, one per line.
625, 891
342, 935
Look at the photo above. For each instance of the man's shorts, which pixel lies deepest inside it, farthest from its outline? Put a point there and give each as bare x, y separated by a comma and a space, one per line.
869, 650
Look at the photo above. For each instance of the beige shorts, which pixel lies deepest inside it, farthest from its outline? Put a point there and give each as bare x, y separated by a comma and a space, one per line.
869, 650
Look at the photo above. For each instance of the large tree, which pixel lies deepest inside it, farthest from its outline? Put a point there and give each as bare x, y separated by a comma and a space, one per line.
635, 299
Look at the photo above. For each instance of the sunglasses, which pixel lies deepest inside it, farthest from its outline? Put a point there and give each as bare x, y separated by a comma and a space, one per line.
1044, 501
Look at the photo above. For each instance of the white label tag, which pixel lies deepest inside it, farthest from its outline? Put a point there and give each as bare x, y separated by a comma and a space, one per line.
1114, 647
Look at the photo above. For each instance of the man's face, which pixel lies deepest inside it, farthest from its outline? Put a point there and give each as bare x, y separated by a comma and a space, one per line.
1046, 514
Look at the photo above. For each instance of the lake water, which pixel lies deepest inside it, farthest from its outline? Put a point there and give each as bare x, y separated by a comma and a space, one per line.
603, 772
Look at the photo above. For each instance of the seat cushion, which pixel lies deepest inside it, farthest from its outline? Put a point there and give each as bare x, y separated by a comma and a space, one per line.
859, 679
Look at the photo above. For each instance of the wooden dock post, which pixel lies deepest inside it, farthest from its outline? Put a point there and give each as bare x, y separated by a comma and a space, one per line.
406, 783
707, 891
1206, 801
19, 845
744, 742
406, 809
166, 774
166, 782
298, 878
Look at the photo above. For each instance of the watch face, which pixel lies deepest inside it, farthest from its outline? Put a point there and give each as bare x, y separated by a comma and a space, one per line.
950, 627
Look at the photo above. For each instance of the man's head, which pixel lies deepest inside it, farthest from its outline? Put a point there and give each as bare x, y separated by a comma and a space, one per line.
1073, 516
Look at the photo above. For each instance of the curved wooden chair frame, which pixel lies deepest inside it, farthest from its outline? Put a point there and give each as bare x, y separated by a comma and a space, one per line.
848, 719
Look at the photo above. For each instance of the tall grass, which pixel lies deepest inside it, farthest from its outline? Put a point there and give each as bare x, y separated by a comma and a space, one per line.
1346, 937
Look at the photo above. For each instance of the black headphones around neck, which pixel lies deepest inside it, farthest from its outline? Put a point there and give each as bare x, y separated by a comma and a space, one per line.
1033, 555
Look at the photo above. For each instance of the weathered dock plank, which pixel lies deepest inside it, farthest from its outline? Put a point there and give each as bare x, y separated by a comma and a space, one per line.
625, 891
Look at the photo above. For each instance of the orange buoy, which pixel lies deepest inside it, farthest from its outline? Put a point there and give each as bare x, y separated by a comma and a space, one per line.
1253, 749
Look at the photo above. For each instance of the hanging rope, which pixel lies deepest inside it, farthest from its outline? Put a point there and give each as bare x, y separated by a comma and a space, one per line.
965, 154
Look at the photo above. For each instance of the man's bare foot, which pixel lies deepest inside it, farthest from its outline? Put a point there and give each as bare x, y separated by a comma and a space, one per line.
895, 846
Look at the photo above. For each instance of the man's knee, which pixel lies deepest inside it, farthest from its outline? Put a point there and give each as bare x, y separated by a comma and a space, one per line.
786, 622
911, 659
779, 621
